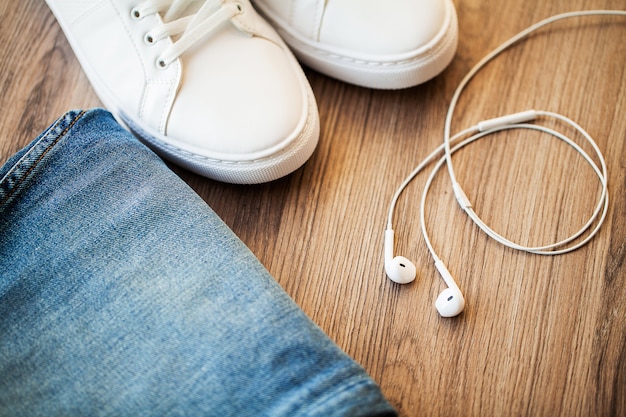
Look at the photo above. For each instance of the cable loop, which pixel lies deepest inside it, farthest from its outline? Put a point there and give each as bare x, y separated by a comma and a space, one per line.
452, 144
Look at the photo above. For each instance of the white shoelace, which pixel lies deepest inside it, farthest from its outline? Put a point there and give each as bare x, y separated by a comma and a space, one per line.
192, 27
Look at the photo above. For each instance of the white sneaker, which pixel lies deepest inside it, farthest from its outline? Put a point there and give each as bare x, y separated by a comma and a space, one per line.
387, 44
208, 84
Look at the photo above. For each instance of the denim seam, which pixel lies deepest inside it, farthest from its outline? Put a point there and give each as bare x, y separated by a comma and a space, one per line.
347, 390
26, 175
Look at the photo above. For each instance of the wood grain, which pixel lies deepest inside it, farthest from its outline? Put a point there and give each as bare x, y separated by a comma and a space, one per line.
541, 336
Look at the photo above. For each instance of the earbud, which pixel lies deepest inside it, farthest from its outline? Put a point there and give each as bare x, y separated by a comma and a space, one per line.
450, 302
399, 269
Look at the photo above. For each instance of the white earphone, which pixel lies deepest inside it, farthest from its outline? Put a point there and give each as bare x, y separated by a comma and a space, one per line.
450, 301
399, 269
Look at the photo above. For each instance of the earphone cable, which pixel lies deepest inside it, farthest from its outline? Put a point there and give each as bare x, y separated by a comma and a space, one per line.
550, 249
448, 150
493, 54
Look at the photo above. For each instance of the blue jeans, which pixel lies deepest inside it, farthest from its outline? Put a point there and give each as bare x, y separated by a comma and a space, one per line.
123, 293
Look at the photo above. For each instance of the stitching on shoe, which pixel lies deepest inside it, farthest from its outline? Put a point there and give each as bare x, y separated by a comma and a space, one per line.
319, 16
171, 91
137, 51
86, 12
312, 49
446, 38
292, 146
311, 107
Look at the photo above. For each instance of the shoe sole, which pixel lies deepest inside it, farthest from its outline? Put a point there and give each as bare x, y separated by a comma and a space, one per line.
289, 155
380, 72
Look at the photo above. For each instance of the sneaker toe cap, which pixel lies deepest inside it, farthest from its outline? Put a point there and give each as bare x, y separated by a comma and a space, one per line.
382, 27
240, 99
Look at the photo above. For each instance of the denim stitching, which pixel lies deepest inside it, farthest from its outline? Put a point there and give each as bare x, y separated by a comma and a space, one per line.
26, 175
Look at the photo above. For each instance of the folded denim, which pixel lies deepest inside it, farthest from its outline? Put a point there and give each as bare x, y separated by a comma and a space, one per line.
123, 293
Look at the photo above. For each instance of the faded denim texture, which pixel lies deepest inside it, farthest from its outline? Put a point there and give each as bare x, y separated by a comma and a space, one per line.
122, 293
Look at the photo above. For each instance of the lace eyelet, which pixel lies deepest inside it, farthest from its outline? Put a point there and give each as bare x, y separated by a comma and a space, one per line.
161, 64
239, 7
148, 39
135, 14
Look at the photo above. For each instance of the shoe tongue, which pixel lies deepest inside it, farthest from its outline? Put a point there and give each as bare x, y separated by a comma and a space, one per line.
248, 23
252, 24
182, 8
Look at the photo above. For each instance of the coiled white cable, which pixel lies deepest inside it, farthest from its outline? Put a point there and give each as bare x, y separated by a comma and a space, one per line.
597, 217
514, 121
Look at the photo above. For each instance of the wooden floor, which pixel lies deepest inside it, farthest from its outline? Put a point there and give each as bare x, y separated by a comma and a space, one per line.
540, 336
